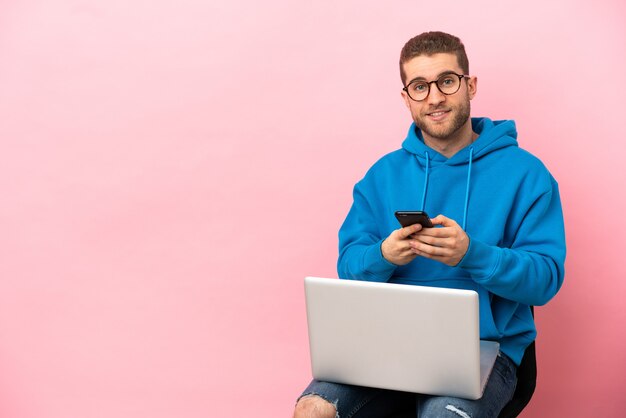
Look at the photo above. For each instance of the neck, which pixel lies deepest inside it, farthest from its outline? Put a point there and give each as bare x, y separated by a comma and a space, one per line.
452, 144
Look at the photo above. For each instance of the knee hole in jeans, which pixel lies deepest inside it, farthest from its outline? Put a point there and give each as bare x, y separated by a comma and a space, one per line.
315, 406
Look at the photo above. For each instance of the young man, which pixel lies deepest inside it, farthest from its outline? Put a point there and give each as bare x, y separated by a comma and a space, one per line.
498, 230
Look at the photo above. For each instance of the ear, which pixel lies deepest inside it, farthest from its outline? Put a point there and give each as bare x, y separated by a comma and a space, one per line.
472, 87
407, 100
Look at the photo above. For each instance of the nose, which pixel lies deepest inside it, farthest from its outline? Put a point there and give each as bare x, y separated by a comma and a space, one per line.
435, 96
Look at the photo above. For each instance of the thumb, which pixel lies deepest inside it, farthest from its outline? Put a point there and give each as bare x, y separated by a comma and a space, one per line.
407, 231
443, 221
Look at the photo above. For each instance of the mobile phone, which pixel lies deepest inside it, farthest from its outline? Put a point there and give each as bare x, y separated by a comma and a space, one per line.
411, 217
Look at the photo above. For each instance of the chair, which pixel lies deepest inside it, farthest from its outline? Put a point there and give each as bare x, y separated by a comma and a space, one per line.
526, 382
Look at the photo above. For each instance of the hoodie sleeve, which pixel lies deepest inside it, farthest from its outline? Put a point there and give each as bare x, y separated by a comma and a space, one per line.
531, 271
360, 255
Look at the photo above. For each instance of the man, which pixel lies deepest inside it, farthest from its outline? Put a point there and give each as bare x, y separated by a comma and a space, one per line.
499, 228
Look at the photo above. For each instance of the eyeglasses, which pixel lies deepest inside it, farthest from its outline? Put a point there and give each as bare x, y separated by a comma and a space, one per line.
448, 84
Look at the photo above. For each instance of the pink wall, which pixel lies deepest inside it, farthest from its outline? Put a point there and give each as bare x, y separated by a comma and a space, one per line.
171, 170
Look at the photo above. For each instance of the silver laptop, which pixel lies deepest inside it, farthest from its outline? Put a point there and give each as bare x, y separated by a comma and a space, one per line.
402, 337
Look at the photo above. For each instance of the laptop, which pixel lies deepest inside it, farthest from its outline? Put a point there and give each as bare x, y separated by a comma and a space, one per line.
394, 336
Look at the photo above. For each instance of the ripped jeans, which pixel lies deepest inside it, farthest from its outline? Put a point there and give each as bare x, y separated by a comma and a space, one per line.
361, 402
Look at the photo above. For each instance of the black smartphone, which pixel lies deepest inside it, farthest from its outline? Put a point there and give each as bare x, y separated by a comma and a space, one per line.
410, 217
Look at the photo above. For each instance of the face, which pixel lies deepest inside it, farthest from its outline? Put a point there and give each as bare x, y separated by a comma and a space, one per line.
440, 116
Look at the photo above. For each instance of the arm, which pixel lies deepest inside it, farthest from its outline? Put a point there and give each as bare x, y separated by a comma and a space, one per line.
530, 271
363, 253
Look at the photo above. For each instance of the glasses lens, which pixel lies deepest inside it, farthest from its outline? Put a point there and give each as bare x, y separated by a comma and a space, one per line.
449, 83
418, 90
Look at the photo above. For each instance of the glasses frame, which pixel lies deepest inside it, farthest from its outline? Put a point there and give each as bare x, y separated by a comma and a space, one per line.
428, 83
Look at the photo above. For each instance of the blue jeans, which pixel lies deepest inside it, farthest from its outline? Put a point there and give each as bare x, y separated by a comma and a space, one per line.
361, 402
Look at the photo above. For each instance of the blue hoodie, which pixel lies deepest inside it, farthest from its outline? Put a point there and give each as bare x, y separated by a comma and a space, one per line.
505, 200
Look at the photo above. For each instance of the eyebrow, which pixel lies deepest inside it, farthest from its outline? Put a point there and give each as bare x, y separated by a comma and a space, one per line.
438, 76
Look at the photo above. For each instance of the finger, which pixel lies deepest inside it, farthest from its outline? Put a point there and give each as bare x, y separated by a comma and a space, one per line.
430, 251
435, 232
435, 241
443, 221
404, 250
406, 232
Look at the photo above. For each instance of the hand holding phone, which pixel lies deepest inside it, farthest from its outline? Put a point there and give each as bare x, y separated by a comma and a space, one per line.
396, 247
407, 218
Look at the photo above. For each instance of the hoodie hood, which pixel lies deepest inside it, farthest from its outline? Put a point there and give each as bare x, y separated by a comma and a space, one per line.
492, 135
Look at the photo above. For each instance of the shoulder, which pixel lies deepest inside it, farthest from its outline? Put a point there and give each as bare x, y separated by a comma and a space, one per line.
528, 168
389, 161
387, 169
516, 158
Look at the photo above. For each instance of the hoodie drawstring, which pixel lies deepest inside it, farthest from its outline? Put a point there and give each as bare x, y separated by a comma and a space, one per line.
467, 186
425, 180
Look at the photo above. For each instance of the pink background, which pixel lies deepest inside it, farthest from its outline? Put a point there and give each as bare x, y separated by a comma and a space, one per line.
171, 170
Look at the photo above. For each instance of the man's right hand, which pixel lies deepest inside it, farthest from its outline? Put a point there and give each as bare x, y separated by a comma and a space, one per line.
396, 248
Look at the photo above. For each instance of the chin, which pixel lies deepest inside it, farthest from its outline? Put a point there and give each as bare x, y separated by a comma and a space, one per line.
439, 132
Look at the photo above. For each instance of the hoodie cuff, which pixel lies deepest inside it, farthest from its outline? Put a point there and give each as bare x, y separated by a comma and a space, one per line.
376, 264
481, 260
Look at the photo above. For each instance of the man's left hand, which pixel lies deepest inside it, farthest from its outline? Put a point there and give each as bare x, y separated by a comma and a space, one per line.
447, 244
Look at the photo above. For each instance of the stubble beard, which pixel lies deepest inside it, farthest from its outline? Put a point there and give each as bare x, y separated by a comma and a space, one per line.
443, 132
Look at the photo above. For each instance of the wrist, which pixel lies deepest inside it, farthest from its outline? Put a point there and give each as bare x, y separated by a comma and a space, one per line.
385, 255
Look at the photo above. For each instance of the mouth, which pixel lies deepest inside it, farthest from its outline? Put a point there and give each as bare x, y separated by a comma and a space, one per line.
438, 114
